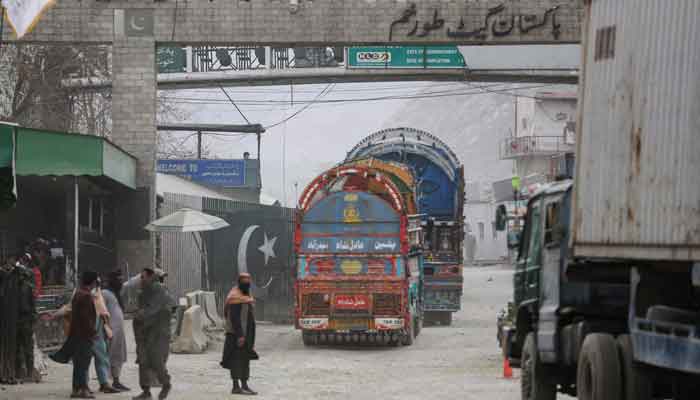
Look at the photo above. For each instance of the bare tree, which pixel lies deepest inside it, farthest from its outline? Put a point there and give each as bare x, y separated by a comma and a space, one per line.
32, 92
176, 145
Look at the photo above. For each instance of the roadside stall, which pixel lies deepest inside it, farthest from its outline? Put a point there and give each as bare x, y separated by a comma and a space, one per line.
66, 190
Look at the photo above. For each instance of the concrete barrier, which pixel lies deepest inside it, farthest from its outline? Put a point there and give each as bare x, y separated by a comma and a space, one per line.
207, 301
192, 339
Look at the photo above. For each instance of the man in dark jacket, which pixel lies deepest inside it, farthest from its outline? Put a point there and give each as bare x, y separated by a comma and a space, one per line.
153, 316
25, 323
82, 333
10, 278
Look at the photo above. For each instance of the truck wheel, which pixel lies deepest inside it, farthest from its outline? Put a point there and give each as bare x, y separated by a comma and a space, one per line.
635, 384
308, 338
430, 318
534, 382
446, 318
598, 376
419, 325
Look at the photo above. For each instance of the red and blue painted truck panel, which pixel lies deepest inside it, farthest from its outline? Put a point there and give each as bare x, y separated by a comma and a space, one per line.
357, 275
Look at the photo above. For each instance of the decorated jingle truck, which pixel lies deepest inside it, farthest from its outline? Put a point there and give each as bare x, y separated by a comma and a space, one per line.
358, 244
439, 187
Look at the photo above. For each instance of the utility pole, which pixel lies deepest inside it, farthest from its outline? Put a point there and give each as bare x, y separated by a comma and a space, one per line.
199, 145
259, 163
296, 192
515, 125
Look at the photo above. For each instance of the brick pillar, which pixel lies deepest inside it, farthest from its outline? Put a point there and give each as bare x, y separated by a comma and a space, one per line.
134, 130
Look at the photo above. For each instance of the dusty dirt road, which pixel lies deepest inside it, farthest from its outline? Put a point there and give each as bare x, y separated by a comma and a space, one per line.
457, 362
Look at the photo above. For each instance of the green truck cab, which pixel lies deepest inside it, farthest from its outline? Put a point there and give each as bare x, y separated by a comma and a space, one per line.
595, 328
552, 311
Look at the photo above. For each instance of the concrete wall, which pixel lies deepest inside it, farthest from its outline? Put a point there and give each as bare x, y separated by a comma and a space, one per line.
544, 117
526, 166
488, 247
311, 22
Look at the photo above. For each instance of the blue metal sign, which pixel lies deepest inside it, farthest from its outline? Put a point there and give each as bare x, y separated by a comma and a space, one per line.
225, 173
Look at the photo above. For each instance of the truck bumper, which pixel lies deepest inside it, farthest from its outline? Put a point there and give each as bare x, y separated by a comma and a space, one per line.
352, 325
667, 345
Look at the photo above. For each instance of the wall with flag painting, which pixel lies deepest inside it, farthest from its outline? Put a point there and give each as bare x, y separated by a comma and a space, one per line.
259, 240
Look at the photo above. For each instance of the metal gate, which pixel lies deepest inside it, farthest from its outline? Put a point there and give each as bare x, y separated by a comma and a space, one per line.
259, 240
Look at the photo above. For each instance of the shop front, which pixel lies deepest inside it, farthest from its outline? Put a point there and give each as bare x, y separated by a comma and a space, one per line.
68, 191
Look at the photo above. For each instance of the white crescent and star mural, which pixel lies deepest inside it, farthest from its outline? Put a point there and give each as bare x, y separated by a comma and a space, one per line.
267, 249
259, 242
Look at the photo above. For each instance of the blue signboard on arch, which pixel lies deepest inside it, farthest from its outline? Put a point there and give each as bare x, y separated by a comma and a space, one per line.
225, 173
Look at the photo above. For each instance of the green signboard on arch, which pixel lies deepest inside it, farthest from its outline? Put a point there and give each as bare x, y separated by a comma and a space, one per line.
405, 57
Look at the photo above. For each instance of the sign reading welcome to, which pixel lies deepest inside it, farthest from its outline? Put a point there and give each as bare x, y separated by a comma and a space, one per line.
225, 173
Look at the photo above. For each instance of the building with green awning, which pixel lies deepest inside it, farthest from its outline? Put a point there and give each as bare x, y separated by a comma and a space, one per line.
45, 153
8, 191
70, 189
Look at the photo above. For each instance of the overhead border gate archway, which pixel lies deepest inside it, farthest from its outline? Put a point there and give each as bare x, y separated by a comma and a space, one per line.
135, 29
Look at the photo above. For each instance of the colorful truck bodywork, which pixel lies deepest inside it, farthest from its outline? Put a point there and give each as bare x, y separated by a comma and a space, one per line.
359, 260
439, 182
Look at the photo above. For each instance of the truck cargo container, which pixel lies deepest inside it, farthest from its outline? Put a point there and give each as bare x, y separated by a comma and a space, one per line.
606, 302
440, 201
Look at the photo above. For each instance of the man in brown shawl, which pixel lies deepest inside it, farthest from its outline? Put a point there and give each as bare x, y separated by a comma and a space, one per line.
239, 347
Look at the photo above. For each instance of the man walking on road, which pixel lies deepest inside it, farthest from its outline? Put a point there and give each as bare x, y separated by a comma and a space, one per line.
83, 332
117, 346
154, 311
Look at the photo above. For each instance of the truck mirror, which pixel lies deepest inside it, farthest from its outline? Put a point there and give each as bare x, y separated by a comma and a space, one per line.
501, 218
558, 233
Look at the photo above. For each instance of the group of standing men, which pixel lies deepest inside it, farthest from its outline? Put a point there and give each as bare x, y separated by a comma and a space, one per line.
94, 323
96, 329
18, 291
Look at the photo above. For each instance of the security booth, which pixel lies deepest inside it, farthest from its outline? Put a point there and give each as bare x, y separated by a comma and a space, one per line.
66, 191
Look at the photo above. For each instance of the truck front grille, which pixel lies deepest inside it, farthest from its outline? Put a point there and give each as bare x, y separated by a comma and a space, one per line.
387, 304
314, 304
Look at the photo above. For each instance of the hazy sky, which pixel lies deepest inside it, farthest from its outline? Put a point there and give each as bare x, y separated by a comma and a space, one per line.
469, 118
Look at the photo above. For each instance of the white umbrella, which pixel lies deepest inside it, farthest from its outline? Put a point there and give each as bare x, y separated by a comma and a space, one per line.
189, 220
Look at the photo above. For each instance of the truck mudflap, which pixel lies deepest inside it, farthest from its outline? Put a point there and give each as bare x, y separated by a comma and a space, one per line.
666, 337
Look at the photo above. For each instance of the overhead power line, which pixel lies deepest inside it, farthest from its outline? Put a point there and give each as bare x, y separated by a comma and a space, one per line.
234, 104
455, 93
325, 91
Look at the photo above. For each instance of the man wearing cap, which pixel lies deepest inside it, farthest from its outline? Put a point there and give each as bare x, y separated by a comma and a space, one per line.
132, 288
153, 344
